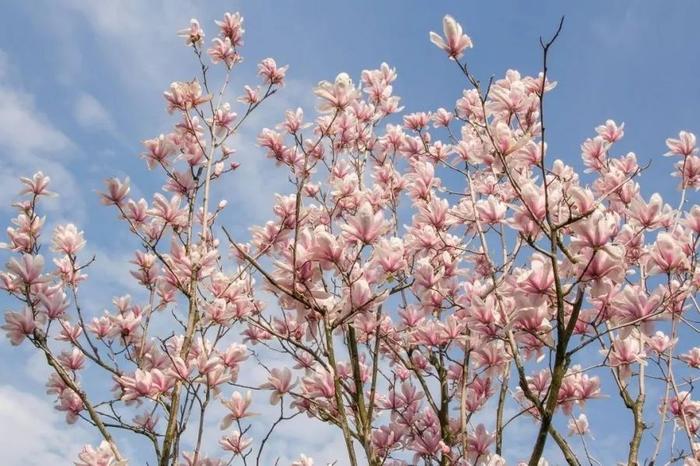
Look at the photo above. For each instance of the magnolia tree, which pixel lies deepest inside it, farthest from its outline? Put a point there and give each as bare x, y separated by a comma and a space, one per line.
425, 285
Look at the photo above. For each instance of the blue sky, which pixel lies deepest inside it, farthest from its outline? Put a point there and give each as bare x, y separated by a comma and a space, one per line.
81, 84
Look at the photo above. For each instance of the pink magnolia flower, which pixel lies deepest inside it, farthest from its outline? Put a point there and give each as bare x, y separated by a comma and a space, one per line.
223, 120
234, 355
479, 441
319, 384
19, 325
193, 35
238, 407
389, 254
169, 211
689, 172
74, 361
660, 342
692, 357
610, 131
116, 191
336, 96
222, 50
442, 118
594, 153
231, 27
594, 231
491, 210
625, 352
455, 41
27, 269
67, 239
280, 382
102, 327
684, 146
36, 185
650, 215
667, 255
235, 443
69, 332
147, 421
100, 456
184, 96
303, 461
147, 384
416, 121
366, 225
251, 96
71, 404
271, 73
578, 425
540, 278
158, 150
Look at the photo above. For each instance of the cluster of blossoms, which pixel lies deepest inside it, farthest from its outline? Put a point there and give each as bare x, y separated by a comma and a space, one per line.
427, 292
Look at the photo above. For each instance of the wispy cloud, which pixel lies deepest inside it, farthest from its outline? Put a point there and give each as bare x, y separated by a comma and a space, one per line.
32, 433
91, 114
23, 128
30, 142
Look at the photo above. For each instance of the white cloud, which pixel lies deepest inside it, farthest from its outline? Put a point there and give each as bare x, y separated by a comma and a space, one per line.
91, 114
24, 129
30, 142
142, 31
32, 433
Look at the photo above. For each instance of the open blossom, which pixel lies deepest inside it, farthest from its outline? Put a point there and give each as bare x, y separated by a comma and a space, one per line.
70, 403
280, 382
442, 118
667, 255
479, 440
144, 384
389, 254
103, 455
223, 120
366, 225
692, 357
610, 131
184, 96
625, 352
147, 421
27, 269
231, 28
36, 185
271, 73
238, 408
251, 96
336, 96
190, 458
578, 425
116, 191
235, 443
67, 239
74, 361
422, 272
19, 325
194, 34
684, 146
660, 342
222, 51
158, 151
455, 42
170, 211
303, 461
319, 384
